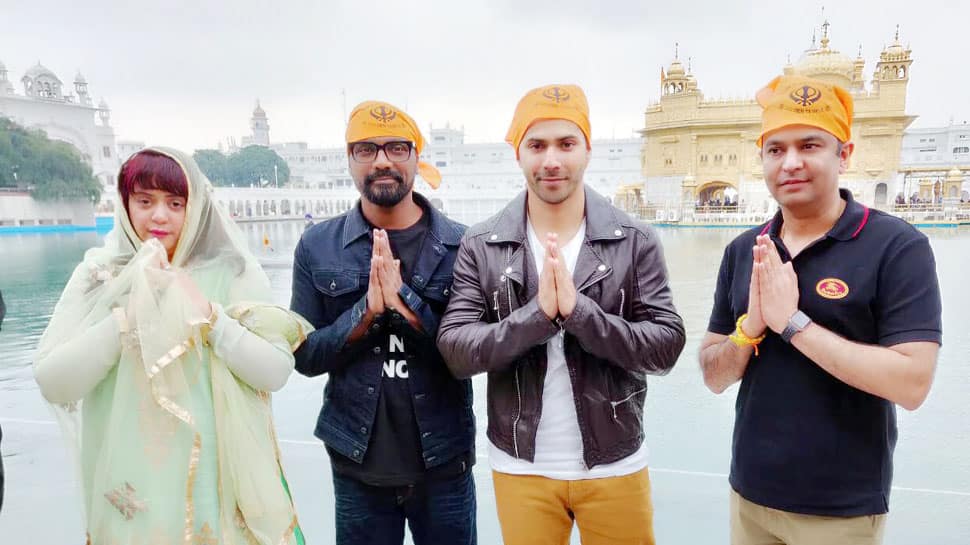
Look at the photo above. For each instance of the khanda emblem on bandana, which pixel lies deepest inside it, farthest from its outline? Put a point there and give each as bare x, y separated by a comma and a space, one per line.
383, 114
556, 94
805, 95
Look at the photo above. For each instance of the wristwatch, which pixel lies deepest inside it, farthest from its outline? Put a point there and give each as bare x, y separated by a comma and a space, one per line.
798, 322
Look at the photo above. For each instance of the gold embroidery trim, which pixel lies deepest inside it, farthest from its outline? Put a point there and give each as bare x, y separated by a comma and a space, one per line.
122, 319
123, 499
170, 356
205, 536
289, 532
299, 342
183, 415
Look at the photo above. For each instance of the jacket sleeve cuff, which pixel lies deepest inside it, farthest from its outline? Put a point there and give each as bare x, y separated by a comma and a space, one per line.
536, 321
585, 308
420, 309
356, 314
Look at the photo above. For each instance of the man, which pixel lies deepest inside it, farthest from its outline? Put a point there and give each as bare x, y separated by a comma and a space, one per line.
563, 300
835, 314
374, 281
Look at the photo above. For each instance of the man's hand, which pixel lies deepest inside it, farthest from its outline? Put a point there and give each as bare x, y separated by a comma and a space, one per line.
547, 287
754, 325
565, 289
779, 288
389, 275
375, 296
389, 272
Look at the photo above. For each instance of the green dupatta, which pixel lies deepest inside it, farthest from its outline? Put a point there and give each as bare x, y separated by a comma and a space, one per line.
172, 447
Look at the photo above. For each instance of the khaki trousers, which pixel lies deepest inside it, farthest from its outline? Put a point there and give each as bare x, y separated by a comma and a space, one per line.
753, 524
535, 510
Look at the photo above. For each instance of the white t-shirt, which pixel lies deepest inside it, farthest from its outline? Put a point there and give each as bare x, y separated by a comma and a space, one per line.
559, 445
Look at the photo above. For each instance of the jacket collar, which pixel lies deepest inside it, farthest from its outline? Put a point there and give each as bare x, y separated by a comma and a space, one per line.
443, 230
601, 220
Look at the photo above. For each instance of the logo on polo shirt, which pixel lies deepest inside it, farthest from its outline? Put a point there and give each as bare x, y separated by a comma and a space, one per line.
832, 288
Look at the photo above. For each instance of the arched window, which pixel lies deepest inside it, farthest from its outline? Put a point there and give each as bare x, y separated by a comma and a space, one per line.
881, 193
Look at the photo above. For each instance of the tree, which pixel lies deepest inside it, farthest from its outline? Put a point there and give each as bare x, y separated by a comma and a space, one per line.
214, 164
49, 169
254, 165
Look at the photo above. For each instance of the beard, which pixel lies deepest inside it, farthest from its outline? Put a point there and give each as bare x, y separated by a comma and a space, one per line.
385, 194
550, 195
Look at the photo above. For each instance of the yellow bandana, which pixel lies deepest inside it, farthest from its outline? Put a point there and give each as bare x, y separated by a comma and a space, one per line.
797, 100
549, 102
374, 119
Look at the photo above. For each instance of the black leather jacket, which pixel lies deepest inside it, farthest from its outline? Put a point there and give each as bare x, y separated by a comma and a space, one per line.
623, 328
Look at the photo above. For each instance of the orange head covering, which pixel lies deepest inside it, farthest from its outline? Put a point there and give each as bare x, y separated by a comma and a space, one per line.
374, 119
549, 102
797, 100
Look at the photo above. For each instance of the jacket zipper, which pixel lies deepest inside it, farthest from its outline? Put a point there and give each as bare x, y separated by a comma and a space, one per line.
518, 413
622, 300
562, 335
624, 400
495, 307
508, 289
518, 389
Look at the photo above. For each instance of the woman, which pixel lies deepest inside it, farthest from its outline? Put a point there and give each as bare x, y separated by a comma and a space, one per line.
158, 360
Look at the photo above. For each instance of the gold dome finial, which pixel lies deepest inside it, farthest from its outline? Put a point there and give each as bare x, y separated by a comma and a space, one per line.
825, 34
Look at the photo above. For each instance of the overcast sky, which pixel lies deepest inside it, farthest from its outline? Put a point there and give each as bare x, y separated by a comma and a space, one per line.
187, 73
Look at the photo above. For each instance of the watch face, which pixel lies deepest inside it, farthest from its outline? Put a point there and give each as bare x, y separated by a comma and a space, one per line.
800, 320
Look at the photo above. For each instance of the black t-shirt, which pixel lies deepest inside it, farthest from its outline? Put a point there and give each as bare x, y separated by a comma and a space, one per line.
804, 441
394, 455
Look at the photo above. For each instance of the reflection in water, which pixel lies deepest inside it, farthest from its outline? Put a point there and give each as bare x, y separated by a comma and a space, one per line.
688, 429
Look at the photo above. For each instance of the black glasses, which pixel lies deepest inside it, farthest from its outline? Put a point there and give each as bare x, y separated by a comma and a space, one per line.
366, 152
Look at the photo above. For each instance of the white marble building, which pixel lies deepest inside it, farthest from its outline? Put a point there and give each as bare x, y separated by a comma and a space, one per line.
936, 160
68, 114
478, 178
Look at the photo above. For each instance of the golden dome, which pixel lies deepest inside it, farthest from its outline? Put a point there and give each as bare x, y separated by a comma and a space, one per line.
895, 51
826, 64
676, 69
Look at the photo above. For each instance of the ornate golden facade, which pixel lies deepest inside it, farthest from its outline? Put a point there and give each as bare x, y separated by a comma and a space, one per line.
698, 150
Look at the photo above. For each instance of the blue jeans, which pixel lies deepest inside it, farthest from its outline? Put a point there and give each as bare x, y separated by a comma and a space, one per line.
437, 512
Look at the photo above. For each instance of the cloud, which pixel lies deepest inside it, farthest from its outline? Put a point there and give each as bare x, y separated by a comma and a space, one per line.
188, 73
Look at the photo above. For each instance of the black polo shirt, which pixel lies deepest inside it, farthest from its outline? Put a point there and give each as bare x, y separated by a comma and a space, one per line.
804, 441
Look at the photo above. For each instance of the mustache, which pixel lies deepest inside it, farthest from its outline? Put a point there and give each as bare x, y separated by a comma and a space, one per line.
386, 173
